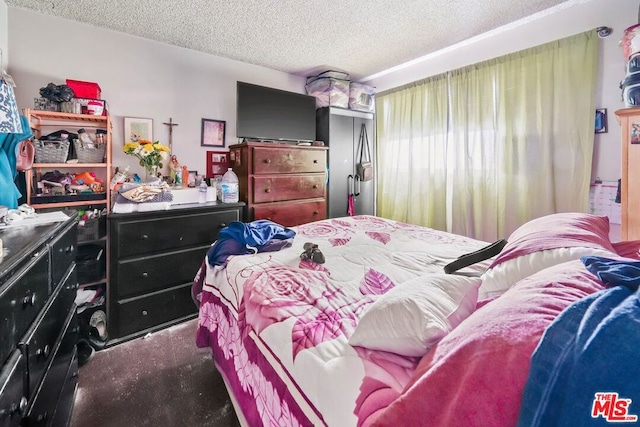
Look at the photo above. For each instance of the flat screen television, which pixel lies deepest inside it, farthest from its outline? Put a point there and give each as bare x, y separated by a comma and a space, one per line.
270, 114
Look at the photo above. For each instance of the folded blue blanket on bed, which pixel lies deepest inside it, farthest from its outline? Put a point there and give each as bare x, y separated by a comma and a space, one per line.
240, 238
614, 271
585, 369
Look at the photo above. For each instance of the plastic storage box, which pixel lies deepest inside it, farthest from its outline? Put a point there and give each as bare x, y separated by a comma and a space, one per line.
85, 89
331, 89
361, 97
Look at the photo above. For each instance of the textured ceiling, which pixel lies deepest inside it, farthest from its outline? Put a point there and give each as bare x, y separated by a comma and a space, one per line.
302, 37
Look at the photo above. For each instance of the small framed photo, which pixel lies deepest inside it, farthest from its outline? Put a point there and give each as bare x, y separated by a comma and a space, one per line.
213, 133
601, 120
193, 176
136, 129
217, 163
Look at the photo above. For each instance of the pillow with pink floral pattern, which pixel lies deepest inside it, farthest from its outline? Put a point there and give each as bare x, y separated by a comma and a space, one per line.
544, 242
413, 316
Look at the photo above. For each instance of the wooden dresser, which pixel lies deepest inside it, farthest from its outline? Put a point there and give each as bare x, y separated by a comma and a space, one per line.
283, 183
153, 258
629, 118
38, 324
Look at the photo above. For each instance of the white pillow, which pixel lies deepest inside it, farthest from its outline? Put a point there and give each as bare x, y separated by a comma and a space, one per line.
499, 279
415, 315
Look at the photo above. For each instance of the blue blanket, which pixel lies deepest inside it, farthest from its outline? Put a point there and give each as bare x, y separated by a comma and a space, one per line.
585, 370
240, 238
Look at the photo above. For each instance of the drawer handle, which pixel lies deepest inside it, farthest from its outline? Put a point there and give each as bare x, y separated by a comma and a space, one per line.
267, 161
144, 237
268, 218
145, 275
44, 352
267, 190
69, 250
181, 238
315, 161
29, 300
316, 212
43, 417
223, 225
144, 312
315, 186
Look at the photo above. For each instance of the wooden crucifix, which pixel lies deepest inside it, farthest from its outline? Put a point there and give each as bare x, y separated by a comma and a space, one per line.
171, 125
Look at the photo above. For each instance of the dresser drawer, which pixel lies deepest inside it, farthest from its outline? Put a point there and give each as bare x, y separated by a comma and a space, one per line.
12, 397
43, 405
268, 160
136, 314
21, 299
288, 187
39, 341
158, 272
147, 236
290, 214
63, 252
64, 409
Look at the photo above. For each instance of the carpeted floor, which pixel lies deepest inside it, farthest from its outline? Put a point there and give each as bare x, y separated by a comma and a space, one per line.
161, 380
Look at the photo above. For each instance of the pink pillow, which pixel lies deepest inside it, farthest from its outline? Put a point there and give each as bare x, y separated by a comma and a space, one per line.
476, 374
545, 242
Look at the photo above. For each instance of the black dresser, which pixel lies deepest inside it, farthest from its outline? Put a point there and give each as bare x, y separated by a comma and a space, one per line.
38, 326
153, 259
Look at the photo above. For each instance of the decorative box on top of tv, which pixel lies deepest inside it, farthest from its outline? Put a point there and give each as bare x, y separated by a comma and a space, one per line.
330, 88
361, 97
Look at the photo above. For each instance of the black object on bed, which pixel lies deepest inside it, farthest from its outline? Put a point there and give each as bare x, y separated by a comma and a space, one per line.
475, 256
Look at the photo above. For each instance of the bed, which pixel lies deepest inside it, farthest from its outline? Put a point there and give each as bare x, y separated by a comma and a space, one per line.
377, 334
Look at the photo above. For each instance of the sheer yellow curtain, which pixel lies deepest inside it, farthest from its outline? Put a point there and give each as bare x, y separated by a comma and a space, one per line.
488, 147
522, 136
411, 134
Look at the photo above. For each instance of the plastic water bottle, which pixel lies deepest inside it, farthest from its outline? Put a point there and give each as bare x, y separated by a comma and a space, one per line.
202, 190
229, 184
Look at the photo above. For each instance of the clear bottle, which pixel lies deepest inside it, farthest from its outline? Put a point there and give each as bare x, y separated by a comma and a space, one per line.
230, 190
202, 190
85, 139
119, 177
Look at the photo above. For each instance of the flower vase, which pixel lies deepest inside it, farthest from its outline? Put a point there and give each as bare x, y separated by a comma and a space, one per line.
150, 174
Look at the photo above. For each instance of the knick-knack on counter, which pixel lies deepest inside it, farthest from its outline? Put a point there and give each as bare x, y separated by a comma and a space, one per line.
185, 176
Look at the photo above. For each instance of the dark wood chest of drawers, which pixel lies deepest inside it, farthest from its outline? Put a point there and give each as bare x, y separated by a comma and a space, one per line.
283, 183
154, 257
38, 325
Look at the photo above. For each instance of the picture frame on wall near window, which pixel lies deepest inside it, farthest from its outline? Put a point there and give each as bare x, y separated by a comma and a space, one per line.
136, 128
601, 120
213, 133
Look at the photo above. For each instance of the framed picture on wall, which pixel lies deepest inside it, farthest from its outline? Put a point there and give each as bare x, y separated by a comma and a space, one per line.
136, 129
213, 133
601, 120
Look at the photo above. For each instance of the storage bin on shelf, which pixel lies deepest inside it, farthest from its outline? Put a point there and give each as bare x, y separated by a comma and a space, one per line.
86, 154
83, 89
361, 97
90, 262
88, 230
51, 151
331, 89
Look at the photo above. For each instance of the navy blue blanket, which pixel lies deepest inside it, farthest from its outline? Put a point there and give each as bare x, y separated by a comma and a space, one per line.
585, 370
240, 238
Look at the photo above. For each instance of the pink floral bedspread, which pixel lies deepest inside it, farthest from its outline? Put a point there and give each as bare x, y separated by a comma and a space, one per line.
278, 326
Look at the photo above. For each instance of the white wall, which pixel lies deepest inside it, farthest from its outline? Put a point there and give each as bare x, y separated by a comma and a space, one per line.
138, 77
4, 34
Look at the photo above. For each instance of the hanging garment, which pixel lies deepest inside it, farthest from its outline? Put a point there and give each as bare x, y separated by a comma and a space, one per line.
9, 193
